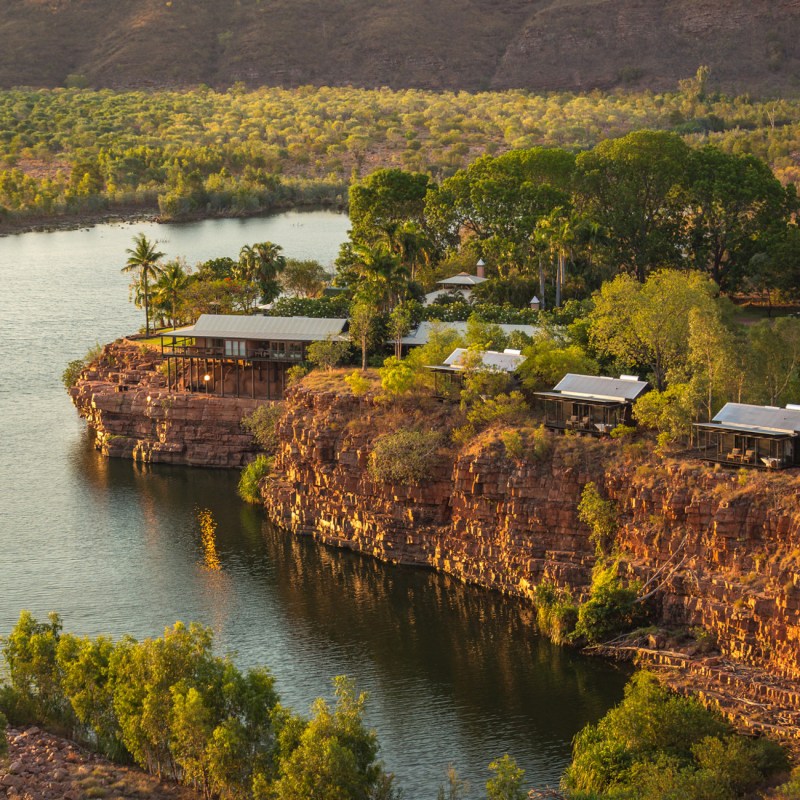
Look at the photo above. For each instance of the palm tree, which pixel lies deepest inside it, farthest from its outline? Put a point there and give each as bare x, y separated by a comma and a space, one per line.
169, 288
261, 263
557, 232
143, 261
382, 275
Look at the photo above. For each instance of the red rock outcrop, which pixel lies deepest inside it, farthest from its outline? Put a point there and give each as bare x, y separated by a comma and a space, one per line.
722, 548
124, 399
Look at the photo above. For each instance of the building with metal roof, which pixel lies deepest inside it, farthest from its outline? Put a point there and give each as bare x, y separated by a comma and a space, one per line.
421, 335
449, 376
462, 284
230, 354
750, 435
592, 403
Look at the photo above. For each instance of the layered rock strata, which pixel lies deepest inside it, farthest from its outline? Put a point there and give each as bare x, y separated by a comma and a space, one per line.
123, 397
720, 549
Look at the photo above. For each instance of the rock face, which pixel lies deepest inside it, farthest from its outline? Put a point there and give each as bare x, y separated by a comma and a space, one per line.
124, 399
722, 548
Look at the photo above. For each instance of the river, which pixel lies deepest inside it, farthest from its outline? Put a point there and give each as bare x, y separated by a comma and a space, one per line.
455, 675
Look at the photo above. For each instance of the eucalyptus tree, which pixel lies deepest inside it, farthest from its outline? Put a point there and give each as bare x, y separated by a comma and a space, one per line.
143, 263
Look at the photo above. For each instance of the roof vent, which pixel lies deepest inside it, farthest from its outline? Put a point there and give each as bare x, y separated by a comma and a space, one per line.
792, 407
510, 352
629, 378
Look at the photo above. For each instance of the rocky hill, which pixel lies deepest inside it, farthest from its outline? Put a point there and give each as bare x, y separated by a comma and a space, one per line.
449, 44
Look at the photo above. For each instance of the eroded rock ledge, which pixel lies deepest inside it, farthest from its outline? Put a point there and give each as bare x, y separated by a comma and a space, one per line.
725, 546
124, 399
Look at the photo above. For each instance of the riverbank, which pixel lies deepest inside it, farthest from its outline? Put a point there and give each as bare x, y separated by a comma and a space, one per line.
721, 549
11, 225
47, 767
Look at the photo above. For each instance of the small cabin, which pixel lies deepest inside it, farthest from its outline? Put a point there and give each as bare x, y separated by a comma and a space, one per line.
449, 377
463, 283
752, 436
421, 335
592, 404
243, 356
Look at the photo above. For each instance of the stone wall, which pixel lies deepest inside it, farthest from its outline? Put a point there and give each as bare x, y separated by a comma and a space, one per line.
124, 399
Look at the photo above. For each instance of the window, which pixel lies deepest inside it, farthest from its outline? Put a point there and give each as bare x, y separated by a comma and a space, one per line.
235, 348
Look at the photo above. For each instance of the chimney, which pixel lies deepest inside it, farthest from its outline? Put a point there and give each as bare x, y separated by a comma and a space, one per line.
481, 272
535, 304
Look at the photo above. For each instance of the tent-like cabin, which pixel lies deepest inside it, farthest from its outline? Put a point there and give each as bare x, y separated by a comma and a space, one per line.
243, 356
591, 403
449, 377
755, 436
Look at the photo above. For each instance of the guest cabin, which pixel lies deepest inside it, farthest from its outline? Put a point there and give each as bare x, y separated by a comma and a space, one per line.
752, 436
592, 403
241, 356
448, 378
421, 335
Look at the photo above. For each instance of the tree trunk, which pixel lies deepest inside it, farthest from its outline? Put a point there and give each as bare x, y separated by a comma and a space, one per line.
559, 269
146, 307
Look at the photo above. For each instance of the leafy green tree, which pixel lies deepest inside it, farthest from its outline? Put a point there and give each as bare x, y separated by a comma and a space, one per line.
507, 782
328, 353
381, 277
557, 233
383, 202
634, 188
363, 327
401, 320
261, 264
647, 324
485, 335
336, 755
548, 360
306, 278
169, 289
670, 412
143, 263
774, 360
397, 376
733, 201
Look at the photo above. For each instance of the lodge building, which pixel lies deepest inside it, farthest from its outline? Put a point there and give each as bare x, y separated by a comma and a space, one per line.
241, 356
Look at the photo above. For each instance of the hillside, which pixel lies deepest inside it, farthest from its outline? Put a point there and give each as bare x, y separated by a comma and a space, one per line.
450, 44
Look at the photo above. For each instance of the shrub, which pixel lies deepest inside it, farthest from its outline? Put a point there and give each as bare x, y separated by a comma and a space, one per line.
540, 443
70, 375
295, 374
251, 477
611, 608
328, 353
397, 376
359, 385
600, 515
3, 740
262, 424
656, 744
513, 443
506, 783
405, 456
506, 408
622, 432
556, 613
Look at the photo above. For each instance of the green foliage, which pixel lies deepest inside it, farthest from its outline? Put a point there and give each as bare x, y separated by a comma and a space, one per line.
252, 475
359, 385
507, 409
513, 443
335, 307
600, 515
405, 456
669, 412
262, 424
556, 613
328, 353
485, 335
71, 373
507, 781
656, 744
397, 376
295, 374
611, 609
336, 755
3, 740
547, 361
305, 278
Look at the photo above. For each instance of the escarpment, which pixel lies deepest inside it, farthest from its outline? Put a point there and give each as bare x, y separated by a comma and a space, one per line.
123, 397
719, 550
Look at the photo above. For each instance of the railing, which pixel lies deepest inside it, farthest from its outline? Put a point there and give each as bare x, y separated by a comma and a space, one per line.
193, 351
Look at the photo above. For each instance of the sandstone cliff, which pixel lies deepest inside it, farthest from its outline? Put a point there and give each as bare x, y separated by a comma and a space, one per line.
124, 399
724, 547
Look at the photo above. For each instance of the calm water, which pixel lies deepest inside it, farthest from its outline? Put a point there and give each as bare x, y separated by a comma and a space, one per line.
455, 675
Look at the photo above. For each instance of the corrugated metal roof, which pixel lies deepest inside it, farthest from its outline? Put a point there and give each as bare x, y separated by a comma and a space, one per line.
600, 387
233, 326
758, 419
462, 279
422, 334
490, 359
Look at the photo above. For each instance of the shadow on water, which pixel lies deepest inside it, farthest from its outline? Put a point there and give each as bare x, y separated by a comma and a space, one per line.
454, 672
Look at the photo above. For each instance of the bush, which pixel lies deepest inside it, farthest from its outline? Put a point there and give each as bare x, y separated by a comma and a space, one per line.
70, 375
600, 515
328, 353
655, 744
405, 456
556, 613
611, 608
3, 740
359, 385
513, 443
251, 477
295, 374
397, 376
262, 424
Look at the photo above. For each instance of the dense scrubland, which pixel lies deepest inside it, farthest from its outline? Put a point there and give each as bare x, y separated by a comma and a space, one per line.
203, 152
